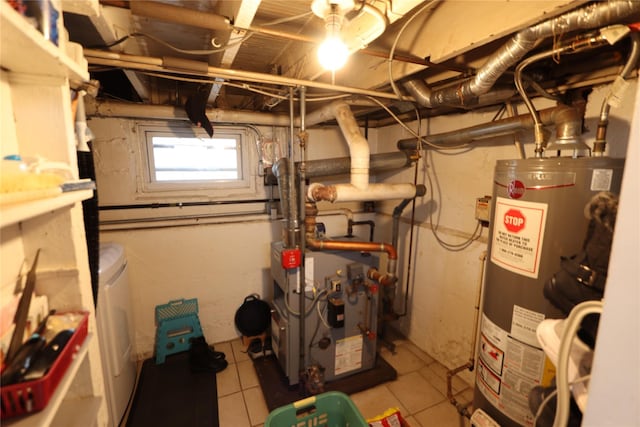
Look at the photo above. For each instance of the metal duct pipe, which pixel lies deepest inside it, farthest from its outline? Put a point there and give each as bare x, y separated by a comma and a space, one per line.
548, 116
568, 121
595, 15
180, 15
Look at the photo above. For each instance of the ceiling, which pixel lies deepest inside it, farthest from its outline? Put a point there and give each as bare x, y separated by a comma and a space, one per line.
247, 54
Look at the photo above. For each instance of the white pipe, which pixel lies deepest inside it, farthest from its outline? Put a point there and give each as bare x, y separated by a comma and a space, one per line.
572, 324
358, 145
350, 193
359, 189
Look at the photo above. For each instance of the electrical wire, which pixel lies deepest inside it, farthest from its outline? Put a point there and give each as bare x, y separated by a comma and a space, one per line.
194, 51
553, 394
307, 311
413, 133
395, 43
287, 19
452, 247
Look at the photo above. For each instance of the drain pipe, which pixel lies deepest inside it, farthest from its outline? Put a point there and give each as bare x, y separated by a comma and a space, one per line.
613, 98
595, 15
461, 407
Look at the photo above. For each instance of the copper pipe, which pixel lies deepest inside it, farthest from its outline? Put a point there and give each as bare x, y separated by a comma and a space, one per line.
311, 211
383, 279
338, 245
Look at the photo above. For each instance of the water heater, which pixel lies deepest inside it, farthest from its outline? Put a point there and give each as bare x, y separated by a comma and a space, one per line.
537, 217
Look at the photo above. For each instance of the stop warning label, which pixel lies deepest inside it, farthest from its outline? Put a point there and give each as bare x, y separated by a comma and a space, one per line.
517, 235
514, 220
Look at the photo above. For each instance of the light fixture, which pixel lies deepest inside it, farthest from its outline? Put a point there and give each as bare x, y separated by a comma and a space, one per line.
333, 52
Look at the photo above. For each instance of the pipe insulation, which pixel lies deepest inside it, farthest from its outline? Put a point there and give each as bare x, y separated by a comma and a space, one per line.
349, 193
97, 108
341, 165
596, 15
180, 15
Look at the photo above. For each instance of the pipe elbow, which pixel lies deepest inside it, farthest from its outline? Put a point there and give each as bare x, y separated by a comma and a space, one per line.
318, 192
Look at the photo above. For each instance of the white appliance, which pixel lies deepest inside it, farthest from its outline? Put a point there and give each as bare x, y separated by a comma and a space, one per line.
113, 317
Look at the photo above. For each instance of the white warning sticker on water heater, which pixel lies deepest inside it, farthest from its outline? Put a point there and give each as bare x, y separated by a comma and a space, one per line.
518, 232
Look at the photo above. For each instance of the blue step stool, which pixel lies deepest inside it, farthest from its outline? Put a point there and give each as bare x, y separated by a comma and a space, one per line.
177, 322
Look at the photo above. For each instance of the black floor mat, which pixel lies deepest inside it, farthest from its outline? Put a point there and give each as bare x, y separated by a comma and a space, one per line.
170, 395
277, 391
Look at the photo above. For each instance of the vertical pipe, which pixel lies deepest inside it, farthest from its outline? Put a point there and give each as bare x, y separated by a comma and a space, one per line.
293, 223
301, 215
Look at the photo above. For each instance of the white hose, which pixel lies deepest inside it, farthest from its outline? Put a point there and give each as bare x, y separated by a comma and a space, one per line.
562, 376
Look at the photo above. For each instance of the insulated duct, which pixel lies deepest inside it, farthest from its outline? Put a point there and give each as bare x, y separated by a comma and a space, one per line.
595, 15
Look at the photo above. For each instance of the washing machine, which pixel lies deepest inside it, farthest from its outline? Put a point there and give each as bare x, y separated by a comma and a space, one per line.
113, 318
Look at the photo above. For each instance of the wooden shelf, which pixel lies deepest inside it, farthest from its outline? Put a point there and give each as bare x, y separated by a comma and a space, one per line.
45, 417
15, 212
25, 50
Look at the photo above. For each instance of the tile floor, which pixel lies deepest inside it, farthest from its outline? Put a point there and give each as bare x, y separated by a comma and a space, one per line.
419, 391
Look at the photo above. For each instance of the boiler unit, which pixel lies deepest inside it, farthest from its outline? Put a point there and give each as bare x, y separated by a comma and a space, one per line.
538, 217
340, 316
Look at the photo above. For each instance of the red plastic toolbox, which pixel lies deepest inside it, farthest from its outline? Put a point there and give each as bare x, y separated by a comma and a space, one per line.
33, 396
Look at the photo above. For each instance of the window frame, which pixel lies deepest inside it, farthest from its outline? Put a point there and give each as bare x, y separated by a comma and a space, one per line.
245, 185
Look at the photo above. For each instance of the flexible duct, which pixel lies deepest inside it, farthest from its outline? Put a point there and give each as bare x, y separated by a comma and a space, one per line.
557, 115
596, 15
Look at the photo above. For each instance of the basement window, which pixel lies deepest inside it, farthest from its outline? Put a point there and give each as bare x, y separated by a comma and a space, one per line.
179, 157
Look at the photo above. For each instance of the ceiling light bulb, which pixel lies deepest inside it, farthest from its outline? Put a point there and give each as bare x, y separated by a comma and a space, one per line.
333, 53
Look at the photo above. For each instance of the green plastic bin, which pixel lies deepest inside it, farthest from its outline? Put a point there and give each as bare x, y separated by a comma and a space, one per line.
331, 409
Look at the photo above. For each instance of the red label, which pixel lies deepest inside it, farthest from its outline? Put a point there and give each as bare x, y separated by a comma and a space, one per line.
516, 189
514, 221
290, 258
